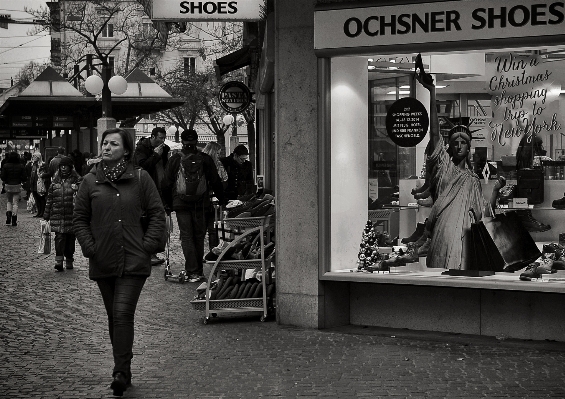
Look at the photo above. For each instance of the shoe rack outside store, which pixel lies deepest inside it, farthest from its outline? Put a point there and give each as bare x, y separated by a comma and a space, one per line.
485, 78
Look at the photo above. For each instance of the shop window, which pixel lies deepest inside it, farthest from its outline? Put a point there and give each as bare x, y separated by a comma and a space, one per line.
502, 96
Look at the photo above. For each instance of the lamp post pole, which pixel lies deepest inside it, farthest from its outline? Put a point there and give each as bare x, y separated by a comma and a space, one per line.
106, 121
106, 93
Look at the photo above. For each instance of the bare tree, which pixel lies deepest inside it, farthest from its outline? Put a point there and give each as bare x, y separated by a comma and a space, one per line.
29, 72
101, 27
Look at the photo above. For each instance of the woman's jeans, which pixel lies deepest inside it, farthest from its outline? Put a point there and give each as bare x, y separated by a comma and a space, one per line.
65, 245
12, 204
120, 295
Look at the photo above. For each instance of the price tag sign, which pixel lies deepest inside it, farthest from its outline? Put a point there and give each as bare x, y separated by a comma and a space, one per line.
407, 122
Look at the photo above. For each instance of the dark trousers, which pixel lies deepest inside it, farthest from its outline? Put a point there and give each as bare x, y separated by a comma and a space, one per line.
40, 201
192, 229
65, 245
120, 296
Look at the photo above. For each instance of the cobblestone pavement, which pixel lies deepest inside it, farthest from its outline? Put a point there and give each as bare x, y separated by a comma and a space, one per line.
55, 345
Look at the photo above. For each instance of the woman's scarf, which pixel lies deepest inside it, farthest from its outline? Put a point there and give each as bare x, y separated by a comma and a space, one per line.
115, 172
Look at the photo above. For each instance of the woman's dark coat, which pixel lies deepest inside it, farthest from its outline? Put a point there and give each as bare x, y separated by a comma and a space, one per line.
107, 223
59, 205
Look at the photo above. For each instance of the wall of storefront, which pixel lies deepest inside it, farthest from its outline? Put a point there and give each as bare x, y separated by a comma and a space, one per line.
307, 183
299, 293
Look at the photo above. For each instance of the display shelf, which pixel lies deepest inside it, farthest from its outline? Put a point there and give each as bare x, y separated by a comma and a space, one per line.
550, 283
242, 228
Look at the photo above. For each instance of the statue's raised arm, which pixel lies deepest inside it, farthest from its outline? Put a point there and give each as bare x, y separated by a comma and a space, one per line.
426, 80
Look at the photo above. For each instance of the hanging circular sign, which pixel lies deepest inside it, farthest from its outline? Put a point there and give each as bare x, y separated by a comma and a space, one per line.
234, 97
407, 122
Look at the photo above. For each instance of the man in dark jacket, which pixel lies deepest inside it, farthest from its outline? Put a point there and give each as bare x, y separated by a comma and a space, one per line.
240, 173
191, 215
54, 163
151, 154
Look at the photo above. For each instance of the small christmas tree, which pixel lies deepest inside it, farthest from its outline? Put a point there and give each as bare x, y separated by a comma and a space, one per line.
369, 247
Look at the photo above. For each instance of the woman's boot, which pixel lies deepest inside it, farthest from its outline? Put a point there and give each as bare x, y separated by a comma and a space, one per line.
8, 217
59, 263
14, 220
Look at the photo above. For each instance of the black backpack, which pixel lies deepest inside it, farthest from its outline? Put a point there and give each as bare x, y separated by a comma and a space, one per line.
191, 183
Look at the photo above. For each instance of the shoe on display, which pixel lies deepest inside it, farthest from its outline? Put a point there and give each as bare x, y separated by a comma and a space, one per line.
415, 235
423, 195
384, 240
506, 193
423, 250
559, 203
530, 223
554, 248
427, 202
558, 265
410, 256
536, 269
423, 238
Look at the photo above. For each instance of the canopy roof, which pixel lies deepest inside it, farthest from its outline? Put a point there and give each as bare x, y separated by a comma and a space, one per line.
50, 94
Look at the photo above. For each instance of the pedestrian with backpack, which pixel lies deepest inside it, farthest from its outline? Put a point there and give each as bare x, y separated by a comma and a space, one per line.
190, 175
152, 154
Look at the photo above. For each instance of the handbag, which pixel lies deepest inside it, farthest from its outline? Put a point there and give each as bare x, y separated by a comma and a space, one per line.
530, 185
501, 243
41, 187
144, 218
31, 206
45, 238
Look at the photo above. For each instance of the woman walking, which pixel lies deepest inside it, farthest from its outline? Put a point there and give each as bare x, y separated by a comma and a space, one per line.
13, 175
108, 225
59, 211
213, 149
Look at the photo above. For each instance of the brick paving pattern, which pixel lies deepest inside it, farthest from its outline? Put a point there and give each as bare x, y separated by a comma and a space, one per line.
54, 345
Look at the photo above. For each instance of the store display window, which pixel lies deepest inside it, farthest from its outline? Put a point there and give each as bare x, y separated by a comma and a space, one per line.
506, 105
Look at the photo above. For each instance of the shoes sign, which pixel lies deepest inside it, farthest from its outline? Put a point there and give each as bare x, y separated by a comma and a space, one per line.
407, 122
234, 97
240, 10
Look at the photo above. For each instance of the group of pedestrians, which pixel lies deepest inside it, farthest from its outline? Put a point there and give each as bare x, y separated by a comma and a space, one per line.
117, 212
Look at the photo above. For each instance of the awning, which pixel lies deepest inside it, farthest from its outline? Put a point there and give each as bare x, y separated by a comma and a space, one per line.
233, 61
50, 94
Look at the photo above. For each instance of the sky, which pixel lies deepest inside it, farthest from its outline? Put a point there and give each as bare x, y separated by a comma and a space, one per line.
33, 48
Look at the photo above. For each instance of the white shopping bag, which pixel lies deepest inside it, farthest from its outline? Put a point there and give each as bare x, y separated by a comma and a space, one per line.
45, 238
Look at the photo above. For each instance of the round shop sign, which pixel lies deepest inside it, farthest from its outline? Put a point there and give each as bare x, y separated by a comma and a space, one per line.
234, 97
407, 122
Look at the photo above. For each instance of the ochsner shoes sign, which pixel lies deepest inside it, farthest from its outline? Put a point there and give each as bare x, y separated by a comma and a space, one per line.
437, 22
183, 10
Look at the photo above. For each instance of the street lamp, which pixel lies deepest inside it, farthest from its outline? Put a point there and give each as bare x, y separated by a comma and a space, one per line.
95, 85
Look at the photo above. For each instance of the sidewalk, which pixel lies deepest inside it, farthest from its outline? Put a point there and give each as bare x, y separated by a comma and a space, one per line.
55, 345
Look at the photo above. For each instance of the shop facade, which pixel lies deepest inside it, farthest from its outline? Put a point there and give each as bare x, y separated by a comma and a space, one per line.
339, 67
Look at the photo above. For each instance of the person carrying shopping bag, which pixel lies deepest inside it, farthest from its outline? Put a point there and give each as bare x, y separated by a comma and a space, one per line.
108, 225
59, 212
37, 183
13, 175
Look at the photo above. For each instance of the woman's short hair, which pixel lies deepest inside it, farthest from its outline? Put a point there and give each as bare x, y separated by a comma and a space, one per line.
213, 149
127, 141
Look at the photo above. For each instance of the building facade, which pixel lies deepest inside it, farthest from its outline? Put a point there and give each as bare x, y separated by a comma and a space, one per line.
339, 67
